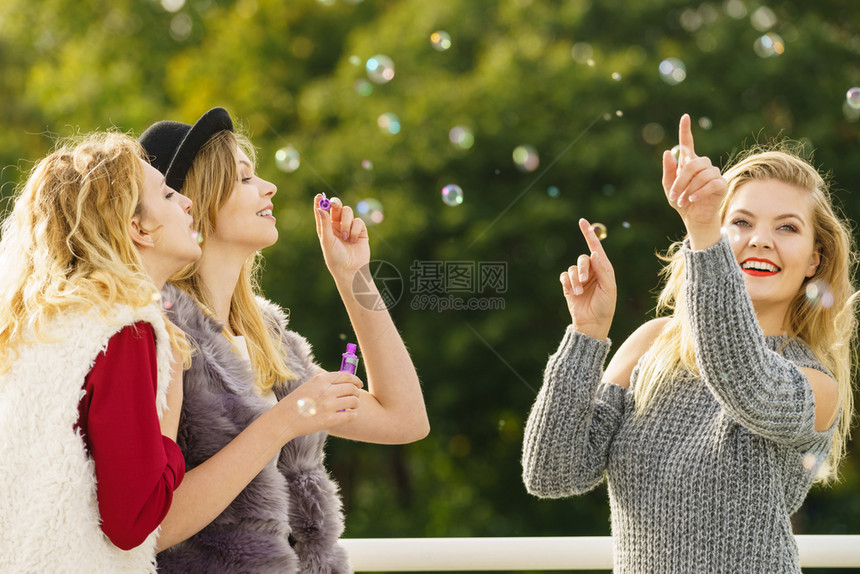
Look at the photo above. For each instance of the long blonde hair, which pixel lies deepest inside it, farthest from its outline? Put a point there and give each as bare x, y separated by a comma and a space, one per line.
829, 330
66, 244
209, 183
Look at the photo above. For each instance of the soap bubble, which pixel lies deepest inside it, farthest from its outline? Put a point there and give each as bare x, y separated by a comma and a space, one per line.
810, 461
705, 123
526, 158
288, 159
616, 76
355, 60
370, 210
653, 133
462, 137
389, 123
167, 305
763, 19
769, 46
625, 224
307, 406
553, 191
440, 40
673, 71
818, 294
852, 98
619, 113
582, 52
380, 69
452, 194
156, 297
363, 87
599, 230
366, 164
681, 153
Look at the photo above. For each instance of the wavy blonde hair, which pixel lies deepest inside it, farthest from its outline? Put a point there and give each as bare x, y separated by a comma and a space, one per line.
66, 246
209, 183
830, 331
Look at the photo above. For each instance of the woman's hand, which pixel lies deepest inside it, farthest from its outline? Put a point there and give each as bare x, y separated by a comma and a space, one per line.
589, 288
324, 401
694, 188
343, 238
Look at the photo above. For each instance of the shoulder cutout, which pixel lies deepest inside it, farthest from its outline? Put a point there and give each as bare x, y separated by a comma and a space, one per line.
628, 354
826, 394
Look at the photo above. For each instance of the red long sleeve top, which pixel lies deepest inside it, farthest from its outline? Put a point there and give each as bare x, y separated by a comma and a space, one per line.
137, 468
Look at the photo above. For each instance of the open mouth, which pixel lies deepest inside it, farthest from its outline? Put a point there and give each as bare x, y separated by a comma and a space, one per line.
265, 213
759, 267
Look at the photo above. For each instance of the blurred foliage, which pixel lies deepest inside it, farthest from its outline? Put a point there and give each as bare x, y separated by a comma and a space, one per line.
577, 80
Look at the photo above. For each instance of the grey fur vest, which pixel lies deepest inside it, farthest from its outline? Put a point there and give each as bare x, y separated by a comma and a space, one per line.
288, 519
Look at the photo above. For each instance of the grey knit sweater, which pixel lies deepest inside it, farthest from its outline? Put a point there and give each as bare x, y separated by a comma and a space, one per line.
706, 479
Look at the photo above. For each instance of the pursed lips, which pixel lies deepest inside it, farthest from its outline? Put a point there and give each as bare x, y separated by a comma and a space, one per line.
759, 267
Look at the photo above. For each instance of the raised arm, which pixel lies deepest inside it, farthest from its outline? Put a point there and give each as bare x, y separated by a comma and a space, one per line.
392, 409
575, 417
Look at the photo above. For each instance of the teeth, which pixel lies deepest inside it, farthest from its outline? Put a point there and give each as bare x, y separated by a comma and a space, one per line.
264, 213
760, 266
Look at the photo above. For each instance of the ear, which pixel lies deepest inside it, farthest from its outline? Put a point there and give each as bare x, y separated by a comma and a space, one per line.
814, 261
138, 233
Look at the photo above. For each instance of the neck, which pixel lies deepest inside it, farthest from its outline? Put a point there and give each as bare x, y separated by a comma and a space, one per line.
157, 273
220, 268
772, 320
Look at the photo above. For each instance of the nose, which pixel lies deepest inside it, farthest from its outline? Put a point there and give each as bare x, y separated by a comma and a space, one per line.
269, 188
186, 203
762, 239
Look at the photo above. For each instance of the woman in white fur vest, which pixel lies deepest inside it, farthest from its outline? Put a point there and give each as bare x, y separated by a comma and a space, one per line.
90, 368
257, 497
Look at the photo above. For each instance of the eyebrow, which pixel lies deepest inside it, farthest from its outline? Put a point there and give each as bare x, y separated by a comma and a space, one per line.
788, 215
243, 162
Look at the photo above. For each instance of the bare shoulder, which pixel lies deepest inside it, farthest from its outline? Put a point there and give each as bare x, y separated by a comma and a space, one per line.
826, 393
628, 354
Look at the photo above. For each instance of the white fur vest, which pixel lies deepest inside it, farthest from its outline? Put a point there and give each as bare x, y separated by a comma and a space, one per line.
49, 516
289, 518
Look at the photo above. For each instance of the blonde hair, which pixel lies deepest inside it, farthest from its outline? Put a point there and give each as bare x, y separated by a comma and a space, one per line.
66, 246
829, 330
209, 183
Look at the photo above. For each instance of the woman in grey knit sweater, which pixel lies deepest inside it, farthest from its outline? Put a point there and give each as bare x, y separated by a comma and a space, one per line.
710, 424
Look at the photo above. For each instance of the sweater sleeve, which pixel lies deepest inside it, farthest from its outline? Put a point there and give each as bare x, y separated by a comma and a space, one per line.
573, 421
757, 387
137, 468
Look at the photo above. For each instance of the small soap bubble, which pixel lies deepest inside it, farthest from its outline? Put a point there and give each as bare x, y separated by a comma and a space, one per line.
380, 69
607, 116
462, 137
705, 123
763, 19
342, 336
553, 191
389, 123
852, 98
526, 158
619, 113
168, 305
653, 133
363, 88
288, 159
673, 71
452, 194
625, 224
616, 76
355, 60
370, 210
769, 45
582, 52
156, 297
681, 153
599, 230
307, 406
810, 461
366, 164
440, 40
818, 294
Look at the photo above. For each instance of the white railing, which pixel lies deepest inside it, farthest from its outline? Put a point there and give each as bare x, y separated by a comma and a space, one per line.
544, 553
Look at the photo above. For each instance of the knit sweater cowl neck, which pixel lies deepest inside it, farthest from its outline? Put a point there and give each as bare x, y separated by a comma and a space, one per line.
289, 517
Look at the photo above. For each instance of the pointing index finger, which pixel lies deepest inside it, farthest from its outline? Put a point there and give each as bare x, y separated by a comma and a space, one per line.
590, 236
685, 135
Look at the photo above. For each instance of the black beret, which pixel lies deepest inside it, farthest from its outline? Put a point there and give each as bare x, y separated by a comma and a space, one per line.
172, 146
